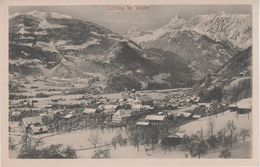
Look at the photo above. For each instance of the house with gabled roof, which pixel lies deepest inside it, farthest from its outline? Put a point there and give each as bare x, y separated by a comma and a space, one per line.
110, 108
89, 111
244, 106
121, 116
155, 119
145, 100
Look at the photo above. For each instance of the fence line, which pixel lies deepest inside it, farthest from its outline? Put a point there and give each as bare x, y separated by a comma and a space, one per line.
90, 148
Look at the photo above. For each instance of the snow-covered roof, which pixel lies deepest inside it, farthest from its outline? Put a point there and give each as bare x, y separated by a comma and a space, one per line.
176, 135
137, 106
148, 107
31, 120
179, 134
184, 114
197, 116
155, 117
123, 113
43, 114
204, 104
48, 106
245, 103
68, 116
110, 107
184, 109
16, 113
143, 123
89, 110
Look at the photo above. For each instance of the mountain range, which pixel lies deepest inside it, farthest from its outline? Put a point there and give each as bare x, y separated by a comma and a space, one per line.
221, 27
59, 46
205, 41
175, 55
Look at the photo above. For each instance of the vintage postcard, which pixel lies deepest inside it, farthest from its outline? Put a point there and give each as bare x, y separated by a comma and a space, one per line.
127, 83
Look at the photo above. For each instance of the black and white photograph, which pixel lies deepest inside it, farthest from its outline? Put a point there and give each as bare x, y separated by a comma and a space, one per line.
130, 82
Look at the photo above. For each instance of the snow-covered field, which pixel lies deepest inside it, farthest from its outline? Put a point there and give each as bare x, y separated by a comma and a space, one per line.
80, 138
220, 121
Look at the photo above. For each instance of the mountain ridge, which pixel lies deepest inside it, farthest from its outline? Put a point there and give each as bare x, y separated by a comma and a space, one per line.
63, 47
233, 81
236, 29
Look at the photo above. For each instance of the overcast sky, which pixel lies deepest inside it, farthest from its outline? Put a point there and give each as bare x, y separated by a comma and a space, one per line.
121, 21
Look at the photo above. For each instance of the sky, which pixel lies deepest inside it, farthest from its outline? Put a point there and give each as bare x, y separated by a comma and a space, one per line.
121, 20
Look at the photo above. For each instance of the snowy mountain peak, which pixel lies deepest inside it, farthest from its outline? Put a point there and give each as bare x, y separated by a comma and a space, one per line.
176, 22
37, 13
42, 15
136, 32
234, 28
60, 16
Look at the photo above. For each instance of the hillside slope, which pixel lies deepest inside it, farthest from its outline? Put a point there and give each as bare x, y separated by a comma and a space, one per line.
57, 46
233, 81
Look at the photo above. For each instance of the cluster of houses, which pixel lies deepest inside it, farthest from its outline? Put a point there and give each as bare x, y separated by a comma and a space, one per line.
191, 113
118, 113
147, 110
140, 105
23, 103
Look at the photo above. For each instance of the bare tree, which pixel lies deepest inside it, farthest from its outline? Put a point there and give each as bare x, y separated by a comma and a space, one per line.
187, 144
118, 139
134, 134
211, 127
195, 144
201, 148
230, 128
94, 139
212, 139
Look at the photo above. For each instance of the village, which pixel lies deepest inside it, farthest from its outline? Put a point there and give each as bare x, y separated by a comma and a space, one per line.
45, 116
